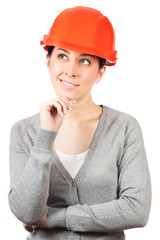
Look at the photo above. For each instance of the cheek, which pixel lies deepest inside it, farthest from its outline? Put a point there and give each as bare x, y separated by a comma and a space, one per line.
55, 70
89, 77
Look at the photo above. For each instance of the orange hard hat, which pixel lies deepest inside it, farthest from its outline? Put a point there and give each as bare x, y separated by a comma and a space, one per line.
85, 30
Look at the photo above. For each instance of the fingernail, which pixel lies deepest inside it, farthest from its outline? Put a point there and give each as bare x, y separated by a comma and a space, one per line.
70, 108
61, 115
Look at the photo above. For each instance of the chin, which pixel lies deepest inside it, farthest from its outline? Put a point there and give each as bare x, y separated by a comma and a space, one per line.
66, 94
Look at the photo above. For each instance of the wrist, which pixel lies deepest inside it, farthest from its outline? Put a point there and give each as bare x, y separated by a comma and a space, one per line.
45, 138
56, 217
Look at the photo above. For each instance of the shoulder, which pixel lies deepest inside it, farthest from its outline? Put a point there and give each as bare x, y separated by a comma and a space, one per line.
24, 131
123, 120
27, 123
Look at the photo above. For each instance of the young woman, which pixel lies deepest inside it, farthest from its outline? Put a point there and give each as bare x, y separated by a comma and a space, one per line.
78, 170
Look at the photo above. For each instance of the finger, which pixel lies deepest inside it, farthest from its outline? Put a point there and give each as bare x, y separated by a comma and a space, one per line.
53, 107
68, 102
28, 227
64, 105
58, 106
69, 99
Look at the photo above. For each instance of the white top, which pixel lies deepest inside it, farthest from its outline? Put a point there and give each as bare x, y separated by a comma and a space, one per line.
72, 163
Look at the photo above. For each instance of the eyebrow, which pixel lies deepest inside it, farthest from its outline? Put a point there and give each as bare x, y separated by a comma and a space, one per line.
82, 54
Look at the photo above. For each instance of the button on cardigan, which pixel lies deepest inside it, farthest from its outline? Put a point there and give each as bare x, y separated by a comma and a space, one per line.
110, 193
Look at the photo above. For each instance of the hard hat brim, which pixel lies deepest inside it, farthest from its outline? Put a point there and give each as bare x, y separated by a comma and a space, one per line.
72, 47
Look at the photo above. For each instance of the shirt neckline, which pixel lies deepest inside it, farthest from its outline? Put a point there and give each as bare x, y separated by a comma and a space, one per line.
83, 168
70, 155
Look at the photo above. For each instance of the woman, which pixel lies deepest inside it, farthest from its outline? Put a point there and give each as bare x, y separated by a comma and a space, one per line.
78, 170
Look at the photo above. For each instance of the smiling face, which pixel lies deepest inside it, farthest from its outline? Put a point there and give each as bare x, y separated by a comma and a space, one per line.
73, 74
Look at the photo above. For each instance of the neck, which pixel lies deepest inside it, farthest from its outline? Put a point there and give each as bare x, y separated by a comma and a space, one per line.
82, 110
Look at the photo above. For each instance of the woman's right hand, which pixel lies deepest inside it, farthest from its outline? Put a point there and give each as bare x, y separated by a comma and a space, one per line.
52, 112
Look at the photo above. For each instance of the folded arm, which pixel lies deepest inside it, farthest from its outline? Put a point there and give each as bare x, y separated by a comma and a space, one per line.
29, 175
132, 206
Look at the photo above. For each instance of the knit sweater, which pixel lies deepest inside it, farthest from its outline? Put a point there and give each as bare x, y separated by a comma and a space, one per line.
110, 193
72, 162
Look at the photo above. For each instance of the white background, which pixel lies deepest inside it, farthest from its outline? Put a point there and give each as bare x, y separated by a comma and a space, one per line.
132, 86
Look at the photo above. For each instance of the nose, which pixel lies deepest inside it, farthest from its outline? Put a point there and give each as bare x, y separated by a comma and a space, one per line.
71, 69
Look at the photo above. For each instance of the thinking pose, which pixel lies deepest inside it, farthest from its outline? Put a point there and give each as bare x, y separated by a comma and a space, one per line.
78, 170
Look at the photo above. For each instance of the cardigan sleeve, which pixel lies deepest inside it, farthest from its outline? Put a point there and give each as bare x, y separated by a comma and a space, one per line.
132, 206
29, 174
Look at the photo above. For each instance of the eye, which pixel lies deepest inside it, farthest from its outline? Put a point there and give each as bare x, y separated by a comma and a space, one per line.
85, 61
62, 56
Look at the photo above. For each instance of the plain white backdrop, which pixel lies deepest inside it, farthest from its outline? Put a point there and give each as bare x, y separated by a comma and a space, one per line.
131, 86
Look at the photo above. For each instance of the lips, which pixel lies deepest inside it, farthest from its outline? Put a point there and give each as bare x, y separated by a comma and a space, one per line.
69, 82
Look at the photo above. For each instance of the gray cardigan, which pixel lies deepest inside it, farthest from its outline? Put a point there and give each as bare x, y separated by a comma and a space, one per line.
110, 193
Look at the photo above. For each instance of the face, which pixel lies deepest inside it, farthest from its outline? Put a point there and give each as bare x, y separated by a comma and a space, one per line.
73, 74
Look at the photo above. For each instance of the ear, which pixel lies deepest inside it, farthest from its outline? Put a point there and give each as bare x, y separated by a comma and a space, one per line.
48, 62
100, 74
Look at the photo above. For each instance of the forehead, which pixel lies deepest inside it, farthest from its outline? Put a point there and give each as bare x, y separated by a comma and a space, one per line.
73, 52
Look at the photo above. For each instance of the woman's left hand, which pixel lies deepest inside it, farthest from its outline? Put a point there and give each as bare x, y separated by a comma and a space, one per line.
28, 227
42, 222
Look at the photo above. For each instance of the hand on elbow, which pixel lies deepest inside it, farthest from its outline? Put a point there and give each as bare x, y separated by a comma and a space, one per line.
42, 222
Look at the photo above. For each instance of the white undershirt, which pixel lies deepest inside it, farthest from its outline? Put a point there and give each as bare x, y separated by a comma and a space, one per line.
72, 163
